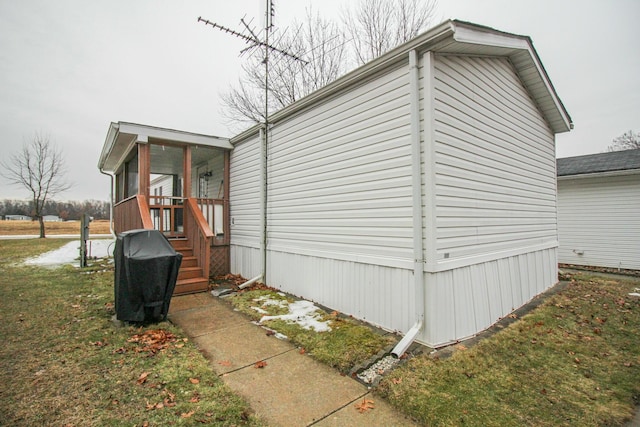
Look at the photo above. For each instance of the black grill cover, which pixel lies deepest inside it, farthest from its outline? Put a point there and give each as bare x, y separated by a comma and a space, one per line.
146, 272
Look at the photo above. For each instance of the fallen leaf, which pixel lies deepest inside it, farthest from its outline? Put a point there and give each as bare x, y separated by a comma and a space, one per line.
334, 313
302, 350
224, 363
513, 316
270, 332
628, 364
143, 377
194, 380
461, 347
187, 414
396, 380
169, 403
260, 364
365, 405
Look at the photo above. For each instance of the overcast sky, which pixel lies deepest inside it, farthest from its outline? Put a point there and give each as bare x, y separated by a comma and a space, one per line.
70, 67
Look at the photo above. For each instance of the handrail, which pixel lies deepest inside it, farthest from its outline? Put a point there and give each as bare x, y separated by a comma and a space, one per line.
199, 233
145, 213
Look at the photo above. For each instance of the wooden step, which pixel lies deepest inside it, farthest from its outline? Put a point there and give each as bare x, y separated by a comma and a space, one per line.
188, 261
189, 272
191, 286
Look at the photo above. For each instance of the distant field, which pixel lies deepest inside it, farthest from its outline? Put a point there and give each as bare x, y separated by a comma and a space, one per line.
13, 228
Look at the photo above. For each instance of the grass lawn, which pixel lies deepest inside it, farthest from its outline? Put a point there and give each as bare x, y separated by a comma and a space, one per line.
64, 362
347, 344
573, 361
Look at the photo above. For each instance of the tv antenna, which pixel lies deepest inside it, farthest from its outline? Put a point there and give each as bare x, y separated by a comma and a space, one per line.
254, 41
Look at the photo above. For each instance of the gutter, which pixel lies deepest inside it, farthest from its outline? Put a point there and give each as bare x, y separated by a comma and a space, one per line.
416, 184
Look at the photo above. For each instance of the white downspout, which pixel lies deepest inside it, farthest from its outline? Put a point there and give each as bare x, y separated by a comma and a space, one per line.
263, 202
416, 184
110, 202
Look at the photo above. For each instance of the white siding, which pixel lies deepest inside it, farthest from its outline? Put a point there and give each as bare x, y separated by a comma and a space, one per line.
340, 177
494, 164
600, 217
244, 205
464, 301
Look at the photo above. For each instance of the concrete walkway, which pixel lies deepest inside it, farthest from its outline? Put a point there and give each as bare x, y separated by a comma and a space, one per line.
292, 389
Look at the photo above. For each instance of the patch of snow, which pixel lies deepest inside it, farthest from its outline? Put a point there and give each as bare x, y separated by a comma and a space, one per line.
265, 300
305, 314
70, 253
259, 310
634, 294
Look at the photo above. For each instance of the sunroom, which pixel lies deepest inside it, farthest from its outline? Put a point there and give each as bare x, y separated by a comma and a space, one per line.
175, 182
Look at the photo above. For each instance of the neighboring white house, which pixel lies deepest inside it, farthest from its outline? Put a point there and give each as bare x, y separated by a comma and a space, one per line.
17, 218
417, 192
51, 218
599, 210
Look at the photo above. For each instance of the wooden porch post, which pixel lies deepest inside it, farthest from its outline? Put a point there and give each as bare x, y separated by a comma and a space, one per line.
186, 170
144, 166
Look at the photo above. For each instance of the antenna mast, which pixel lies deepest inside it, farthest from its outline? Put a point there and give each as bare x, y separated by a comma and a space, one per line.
254, 42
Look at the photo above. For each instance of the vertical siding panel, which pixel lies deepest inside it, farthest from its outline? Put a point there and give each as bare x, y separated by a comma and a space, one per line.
482, 294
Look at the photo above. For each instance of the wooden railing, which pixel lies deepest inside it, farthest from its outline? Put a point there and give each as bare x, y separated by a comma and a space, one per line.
166, 214
213, 211
199, 234
131, 214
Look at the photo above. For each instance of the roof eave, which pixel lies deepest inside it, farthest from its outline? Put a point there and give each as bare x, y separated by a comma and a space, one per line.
464, 34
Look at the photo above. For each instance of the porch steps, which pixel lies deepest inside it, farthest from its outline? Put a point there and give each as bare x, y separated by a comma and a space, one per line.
190, 277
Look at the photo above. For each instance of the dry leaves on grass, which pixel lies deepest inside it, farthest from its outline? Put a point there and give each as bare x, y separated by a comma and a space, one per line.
365, 405
194, 381
143, 377
152, 341
260, 364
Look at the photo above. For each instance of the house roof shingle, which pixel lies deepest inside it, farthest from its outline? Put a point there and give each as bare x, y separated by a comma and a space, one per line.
598, 163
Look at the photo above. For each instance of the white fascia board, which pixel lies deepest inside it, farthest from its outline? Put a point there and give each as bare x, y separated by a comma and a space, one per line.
623, 172
480, 36
108, 144
175, 135
467, 33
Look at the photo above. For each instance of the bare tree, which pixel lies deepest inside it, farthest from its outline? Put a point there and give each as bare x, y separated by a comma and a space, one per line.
377, 26
372, 28
318, 41
39, 167
627, 141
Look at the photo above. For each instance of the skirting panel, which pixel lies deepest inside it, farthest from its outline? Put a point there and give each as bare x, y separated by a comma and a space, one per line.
382, 296
467, 300
245, 261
